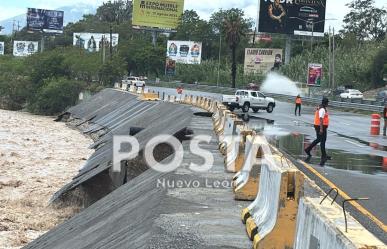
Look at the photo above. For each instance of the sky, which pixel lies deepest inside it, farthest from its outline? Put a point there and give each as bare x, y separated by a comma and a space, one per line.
336, 9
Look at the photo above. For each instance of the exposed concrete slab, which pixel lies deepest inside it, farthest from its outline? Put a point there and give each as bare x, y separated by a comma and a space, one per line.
145, 214
118, 118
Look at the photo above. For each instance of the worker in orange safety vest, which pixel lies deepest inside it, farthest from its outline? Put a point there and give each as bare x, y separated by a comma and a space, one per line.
321, 123
298, 105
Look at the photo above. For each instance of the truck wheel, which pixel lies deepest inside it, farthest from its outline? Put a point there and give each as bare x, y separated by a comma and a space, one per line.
270, 108
246, 107
255, 110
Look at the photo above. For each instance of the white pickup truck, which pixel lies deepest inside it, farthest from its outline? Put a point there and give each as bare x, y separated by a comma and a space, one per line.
247, 99
135, 81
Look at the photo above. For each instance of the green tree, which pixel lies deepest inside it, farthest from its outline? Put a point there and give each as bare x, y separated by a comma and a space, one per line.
117, 11
379, 66
365, 20
55, 96
235, 27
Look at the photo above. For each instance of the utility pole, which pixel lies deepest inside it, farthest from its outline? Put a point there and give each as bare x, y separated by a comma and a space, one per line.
111, 42
220, 49
103, 49
288, 48
330, 59
13, 27
333, 59
311, 39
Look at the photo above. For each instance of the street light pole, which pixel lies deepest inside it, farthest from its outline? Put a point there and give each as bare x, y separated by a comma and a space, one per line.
220, 49
312, 23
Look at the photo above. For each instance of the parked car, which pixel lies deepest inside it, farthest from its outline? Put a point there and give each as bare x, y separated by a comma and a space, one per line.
351, 94
255, 100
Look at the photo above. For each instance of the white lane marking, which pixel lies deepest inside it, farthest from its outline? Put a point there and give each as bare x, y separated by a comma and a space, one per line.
359, 145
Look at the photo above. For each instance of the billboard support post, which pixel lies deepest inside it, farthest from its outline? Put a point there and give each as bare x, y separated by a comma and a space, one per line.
42, 44
288, 48
154, 38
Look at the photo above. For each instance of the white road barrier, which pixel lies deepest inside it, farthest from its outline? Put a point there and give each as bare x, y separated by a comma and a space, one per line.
322, 226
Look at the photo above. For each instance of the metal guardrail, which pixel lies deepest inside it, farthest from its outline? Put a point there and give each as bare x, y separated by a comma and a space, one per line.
363, 105
338, 104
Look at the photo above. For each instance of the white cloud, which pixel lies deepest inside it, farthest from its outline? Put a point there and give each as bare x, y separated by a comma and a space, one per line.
335, 9
8, 12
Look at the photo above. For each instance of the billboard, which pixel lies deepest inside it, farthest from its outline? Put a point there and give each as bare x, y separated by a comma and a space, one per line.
315, 72
1, 48
262, 60
25, 48
170, 67
185, 52
297, 17
162, 14
48, 21
92, 42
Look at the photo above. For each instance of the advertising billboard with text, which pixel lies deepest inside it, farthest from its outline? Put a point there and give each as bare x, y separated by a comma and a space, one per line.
262, 60
92, 42
185, 52
48, 21
315, 72
25, 48
297, 17
161, 14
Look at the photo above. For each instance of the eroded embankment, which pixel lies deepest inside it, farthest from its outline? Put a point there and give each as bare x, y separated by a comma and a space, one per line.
37, 157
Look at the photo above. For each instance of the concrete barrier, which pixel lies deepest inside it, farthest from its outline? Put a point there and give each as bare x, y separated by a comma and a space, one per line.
172, 98
322, 226
219, 129
132, 89
271, 218
124, 87
226, 137
217, 116
235, 155
246, 181
140, 90
149, 97
117, 85
146, 90
194, 100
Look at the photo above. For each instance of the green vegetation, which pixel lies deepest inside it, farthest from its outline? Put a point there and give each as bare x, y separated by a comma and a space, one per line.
49, 82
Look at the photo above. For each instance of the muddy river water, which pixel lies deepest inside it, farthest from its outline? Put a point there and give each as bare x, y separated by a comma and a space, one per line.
37, 157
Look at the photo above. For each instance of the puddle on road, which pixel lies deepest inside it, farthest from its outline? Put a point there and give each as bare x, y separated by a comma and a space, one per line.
295, 143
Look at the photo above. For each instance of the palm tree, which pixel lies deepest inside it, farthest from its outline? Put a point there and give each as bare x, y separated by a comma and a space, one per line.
234, 27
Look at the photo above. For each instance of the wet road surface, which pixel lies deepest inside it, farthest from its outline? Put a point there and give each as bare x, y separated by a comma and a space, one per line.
359, 160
